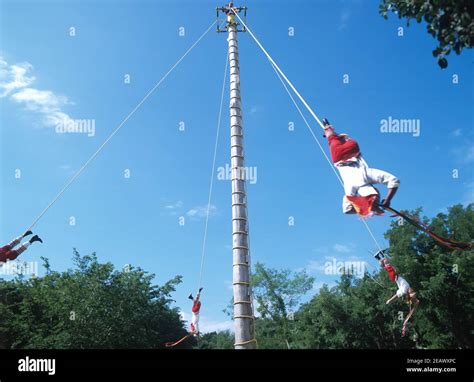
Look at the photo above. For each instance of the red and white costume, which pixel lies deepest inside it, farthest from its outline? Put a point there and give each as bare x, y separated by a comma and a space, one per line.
195, 316
402, 284
357, 176
8, 253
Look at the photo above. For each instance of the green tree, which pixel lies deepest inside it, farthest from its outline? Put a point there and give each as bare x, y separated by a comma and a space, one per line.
216, 340
451, 22
277, 295
91, 306
444, 278
353, 314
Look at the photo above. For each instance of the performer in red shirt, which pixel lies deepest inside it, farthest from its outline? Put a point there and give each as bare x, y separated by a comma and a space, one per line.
360, 195
195, 313
9, 253
404, 288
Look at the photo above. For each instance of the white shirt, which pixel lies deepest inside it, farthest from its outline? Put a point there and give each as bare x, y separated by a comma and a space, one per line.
403, 286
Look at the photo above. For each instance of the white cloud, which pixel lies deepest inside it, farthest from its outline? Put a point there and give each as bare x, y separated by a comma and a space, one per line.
457, 132
13, 77
174, 206
200, 212
15, 81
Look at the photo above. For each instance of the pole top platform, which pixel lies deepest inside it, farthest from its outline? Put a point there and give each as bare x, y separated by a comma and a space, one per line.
230, 18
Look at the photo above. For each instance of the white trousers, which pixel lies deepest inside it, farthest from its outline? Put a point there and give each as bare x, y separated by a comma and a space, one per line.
358, 179
195, 322
403, 286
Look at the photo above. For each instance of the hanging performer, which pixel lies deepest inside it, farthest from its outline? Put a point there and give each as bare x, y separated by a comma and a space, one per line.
9, 253
404, 289
194, 327
195, 313
361, 196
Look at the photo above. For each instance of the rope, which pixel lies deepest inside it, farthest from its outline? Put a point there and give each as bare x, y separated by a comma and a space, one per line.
280, 71
308, 126
280, 74
101, 147
245, 342
321, 147
211, 183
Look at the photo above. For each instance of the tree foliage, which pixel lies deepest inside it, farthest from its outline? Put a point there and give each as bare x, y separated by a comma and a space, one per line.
90, 306
451, 22
216, 340
96, 306
277, 295
353, 314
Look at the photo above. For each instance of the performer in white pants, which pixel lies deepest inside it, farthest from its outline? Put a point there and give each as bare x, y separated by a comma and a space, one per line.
360, 195
195, 313
404, 288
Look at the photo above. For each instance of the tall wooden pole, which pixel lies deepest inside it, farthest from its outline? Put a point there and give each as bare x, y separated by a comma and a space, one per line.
243, 307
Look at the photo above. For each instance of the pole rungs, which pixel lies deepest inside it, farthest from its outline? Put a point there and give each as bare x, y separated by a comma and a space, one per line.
246, 342
240, 247
240, 219
243, 302
241, 283
241, 265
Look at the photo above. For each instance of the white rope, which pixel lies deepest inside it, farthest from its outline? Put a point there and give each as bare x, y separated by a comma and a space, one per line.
280, 71
101, 147
322, 149
211, 183
280, 74
308, 126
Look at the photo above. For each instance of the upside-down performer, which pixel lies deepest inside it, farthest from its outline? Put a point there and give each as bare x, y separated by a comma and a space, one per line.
195, 313
9, 253
194, 327
361, 196
404, 289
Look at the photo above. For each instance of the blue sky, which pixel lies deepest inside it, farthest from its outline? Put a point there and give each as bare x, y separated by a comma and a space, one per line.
135, 220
